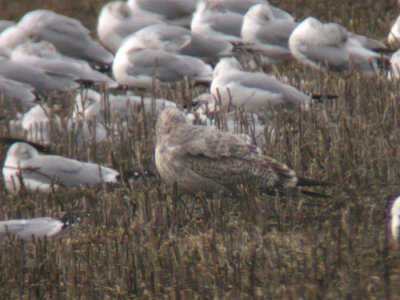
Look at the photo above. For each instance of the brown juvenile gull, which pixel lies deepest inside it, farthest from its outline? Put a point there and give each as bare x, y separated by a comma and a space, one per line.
204, 159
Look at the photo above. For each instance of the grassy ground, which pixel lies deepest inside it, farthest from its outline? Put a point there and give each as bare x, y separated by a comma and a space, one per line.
140, 241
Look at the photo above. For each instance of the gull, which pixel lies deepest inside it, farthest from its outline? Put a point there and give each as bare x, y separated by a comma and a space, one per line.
116, 21
251, 91
68, 35
180, 40
204, 159
394, 34
91, 105
212, 20
243, 6
330, 46
176, 12
137, 66
269, 34
14, 90
4, 24
394, 217
36, 124
43, 81
24, 165
43, 55
32, 228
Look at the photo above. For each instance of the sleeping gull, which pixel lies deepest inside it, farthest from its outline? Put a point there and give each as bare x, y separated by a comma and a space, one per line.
212, 20
176, 12
330, 46
252, 91
43, 81
204, 159
116, 22
14, 90
180, 40
68, 35
36, 124
43, 55
40, 172
28, 228
137, 66
270, 35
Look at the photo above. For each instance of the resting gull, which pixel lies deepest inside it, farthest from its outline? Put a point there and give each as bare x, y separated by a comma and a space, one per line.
330, 46
180, 40
252, 91
68, 35
176, 12
116, 21
32, 228
204, 159
41, 172
269, 34
137, 66
212, 20
43, 55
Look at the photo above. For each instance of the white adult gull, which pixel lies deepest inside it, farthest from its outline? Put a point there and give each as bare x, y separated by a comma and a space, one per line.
137, 66
212, 20
43, 81
32, 228
330, 46
269, 34
116, 21
25, 166
251, 91
43, 55
180, 40
177, 12
68, 35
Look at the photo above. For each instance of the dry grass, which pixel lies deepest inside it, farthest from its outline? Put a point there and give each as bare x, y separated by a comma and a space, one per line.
140, 241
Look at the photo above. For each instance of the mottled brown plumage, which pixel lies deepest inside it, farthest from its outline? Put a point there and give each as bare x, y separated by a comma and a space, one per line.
204, 159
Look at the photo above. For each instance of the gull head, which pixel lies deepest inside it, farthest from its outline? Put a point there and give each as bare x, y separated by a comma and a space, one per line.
260, 12
117, 9
169, 119
227, 64
22, 151
13, 37
41, 49
394, 216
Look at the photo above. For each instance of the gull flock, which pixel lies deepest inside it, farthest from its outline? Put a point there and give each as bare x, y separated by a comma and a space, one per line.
142, 44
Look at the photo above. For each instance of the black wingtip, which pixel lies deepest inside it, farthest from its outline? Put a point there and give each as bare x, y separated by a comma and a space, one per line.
314, 194
38, 147
321, 98
311, 182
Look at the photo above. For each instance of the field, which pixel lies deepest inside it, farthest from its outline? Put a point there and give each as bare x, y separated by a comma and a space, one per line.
140, 240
